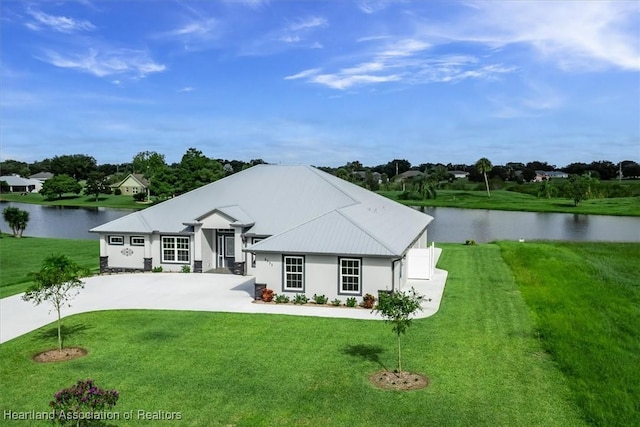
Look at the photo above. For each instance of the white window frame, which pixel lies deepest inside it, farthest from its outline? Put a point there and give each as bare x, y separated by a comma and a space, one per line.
172, 254
116, 240
253, 254
136, 240
292, 271
349, 268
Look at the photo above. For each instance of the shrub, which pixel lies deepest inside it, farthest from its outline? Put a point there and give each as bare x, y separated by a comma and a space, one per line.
118, 192
282, 299
320, 299
157, 269
300, 299
470, 242
267, 295
186, 269
336, 302
72, 405
139, 197
352, 302
368, 300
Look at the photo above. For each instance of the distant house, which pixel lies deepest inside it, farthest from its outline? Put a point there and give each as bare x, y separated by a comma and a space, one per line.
134, 183
296, 229
459, 174
18, 184
546, 175
407, 175
42, 176
363, 175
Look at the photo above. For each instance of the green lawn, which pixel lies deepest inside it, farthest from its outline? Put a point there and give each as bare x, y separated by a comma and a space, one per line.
486, 364
514, 201
586, 300
18, 257
107, 201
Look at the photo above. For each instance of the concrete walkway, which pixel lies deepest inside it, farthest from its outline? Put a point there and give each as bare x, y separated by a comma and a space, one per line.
178, 291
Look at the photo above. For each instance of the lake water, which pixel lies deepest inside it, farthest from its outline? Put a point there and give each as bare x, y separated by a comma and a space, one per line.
451, 225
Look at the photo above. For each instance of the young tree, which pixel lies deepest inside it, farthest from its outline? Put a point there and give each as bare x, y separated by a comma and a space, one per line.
483, 166
97, 184
58, 282
579, 187
17, 219
397, 308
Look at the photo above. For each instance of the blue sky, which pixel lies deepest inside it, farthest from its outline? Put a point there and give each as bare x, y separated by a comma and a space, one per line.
321, 82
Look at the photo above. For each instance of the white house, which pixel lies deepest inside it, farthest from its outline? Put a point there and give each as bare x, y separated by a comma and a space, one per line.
294, 228
18, 184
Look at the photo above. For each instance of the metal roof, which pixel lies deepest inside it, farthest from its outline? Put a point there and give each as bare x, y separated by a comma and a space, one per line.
303, 209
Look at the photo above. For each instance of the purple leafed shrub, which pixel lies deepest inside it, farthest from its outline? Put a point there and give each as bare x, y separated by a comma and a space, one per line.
81, 399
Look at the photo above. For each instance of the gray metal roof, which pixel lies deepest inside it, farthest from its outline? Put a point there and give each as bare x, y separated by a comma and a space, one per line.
303, 209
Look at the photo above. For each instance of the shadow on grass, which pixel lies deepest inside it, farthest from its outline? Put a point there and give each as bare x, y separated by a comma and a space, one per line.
66, 331
366, 352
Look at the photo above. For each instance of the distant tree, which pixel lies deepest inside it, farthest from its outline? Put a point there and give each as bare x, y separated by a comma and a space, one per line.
576, 168
77, 166
4, 186
14, 167
196, 170
344, 174
483, 166
148, 163
540, 166
17, 219
59, 185
630, 169
425, 186
547, 189
606, 170
97, 184
579, 187
57, 282
164, 183
370, 181
528, 174
397, 309
255, 162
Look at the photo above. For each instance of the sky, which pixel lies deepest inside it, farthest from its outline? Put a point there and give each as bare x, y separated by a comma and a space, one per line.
321, 82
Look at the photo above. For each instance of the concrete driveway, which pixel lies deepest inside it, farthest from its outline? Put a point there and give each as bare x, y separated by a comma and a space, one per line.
178, 291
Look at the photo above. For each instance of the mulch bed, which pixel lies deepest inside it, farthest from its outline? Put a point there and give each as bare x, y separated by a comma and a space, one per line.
399, 381
55, 355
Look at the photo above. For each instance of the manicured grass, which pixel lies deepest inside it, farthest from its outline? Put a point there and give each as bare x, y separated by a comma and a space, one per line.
107, 201
513, 201
19, 257
485, 364
586, 299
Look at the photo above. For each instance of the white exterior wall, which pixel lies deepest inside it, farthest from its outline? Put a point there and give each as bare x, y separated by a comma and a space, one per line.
208, 242
321, 275
125, 255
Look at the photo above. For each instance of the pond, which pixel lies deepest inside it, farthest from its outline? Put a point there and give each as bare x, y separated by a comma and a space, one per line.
451, 225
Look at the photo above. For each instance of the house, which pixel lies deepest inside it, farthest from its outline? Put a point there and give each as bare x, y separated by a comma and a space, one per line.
134, 183
459, 174
42, 176
407, 175
294, 228
18, 184
547, 175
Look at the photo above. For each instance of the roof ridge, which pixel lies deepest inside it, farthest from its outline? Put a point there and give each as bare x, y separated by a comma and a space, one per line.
320, 174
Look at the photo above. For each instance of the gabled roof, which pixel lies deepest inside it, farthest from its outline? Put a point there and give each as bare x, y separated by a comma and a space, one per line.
42, 176
303, 209
18, 181
139, 178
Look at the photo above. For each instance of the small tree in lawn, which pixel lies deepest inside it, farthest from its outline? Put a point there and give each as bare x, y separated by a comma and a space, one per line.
58, 282
397, 308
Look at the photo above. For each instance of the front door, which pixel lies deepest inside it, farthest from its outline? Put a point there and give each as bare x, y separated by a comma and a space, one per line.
226, 250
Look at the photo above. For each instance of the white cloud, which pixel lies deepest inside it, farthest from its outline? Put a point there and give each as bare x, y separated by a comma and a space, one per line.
61, 24
303, 74
203, 28
134, 63
186, 89
576, 35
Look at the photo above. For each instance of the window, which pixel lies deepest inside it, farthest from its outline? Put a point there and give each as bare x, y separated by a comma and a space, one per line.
116, 240
175, 249
253, 254
137, 241
293, 273
350, 275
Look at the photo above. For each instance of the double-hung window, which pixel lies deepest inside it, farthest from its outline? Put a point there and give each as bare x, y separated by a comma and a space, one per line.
175, 249
350, 276
293, 273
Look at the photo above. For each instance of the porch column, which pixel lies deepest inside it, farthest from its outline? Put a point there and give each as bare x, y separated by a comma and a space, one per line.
197, 248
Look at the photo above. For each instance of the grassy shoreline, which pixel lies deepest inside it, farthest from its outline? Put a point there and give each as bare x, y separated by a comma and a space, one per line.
513, 201
104, 201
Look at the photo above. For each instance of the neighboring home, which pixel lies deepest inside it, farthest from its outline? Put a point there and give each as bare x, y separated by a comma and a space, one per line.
459, 174
134, 183
294, 228
363, 175
407, 175
546, 175
18, 184
42, 176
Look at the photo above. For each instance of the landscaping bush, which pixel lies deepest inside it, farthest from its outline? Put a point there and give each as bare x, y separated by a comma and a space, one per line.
267, 295
282, 299
336, 302
320, 299
352, 302
300, 299
185, 269
75, 404
368, 301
